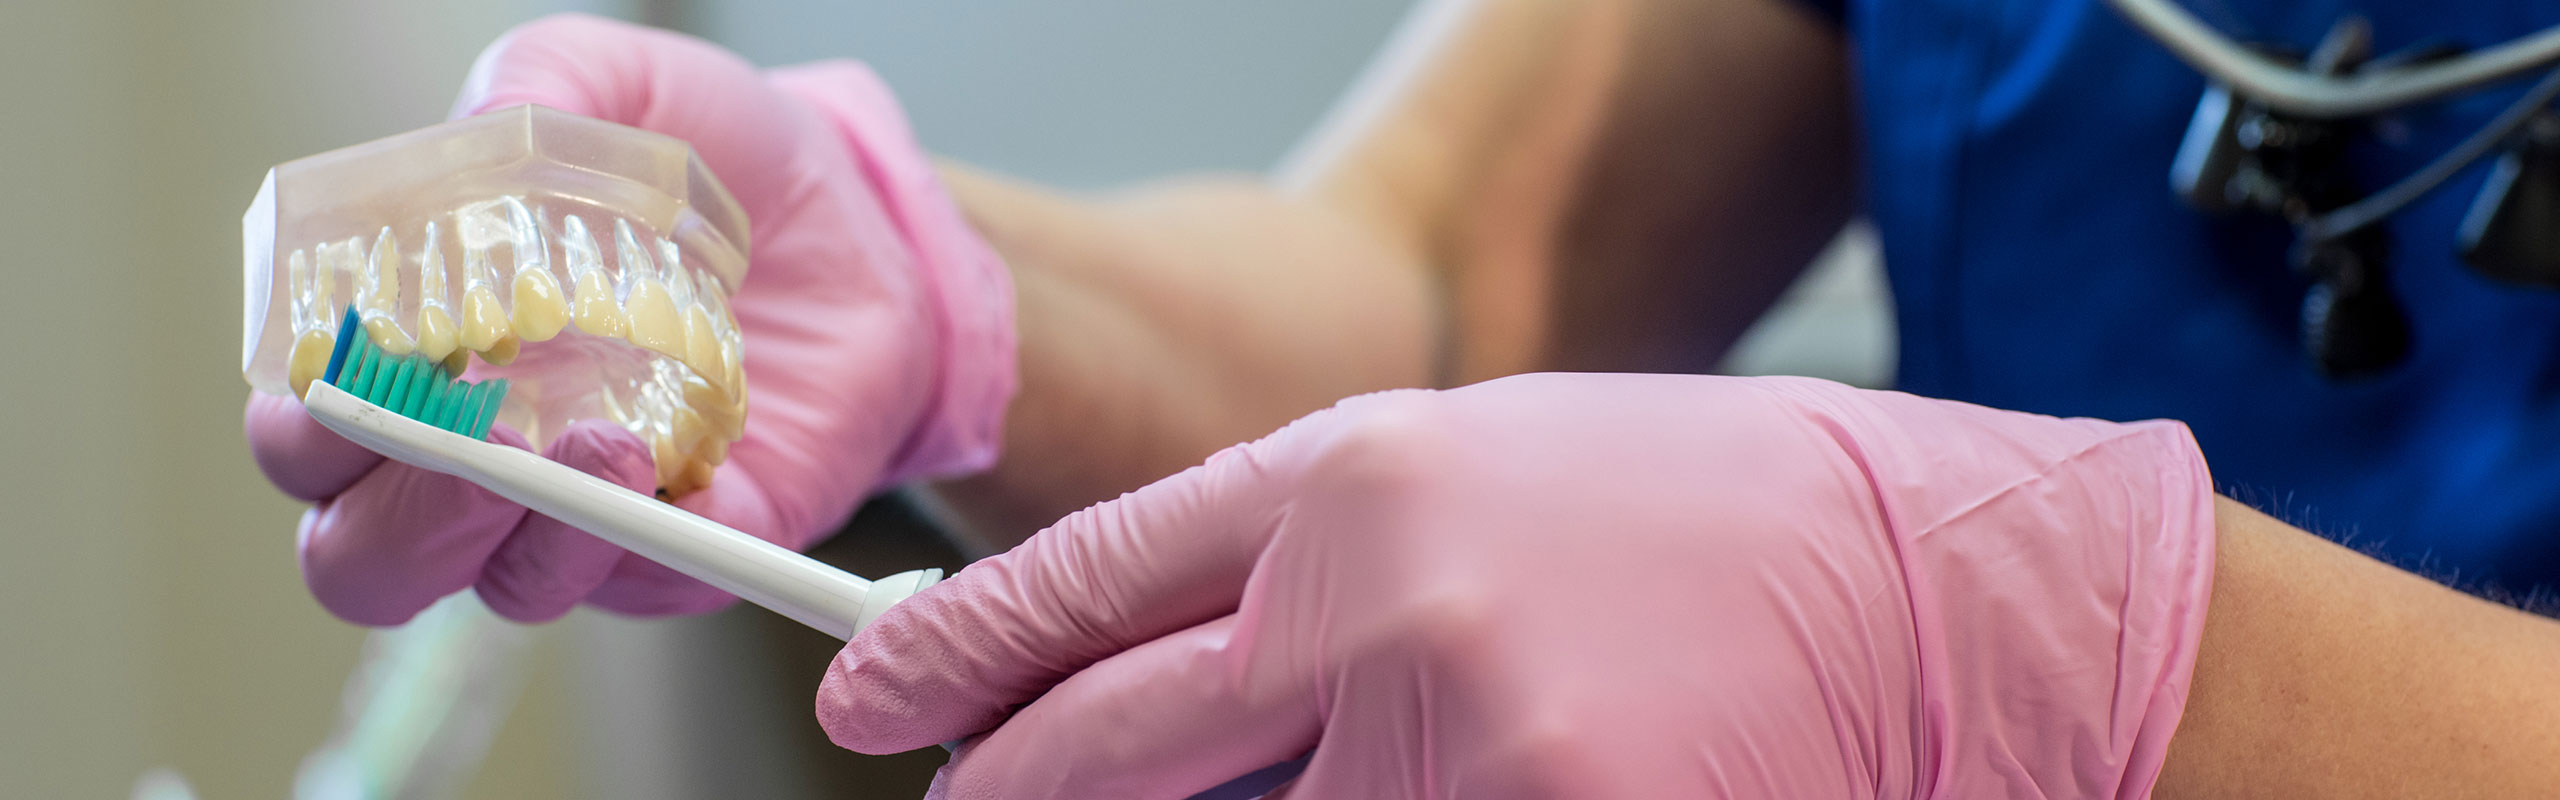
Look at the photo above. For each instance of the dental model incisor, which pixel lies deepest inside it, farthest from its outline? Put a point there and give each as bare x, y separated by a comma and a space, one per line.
701, 339
594, 309
538, 310
650, 308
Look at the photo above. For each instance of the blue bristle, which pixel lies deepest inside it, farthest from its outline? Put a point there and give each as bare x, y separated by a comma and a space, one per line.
338, 353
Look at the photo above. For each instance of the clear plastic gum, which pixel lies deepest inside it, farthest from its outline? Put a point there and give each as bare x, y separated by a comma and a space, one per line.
589, 263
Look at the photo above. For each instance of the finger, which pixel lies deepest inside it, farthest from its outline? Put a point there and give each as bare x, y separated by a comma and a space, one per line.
543, 568
399, 538
1174, 554
1167, 719
645, 78
641, 587
303, 458
940, 789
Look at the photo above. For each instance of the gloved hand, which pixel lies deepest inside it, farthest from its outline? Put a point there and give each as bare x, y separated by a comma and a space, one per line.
1582, 586
878, 331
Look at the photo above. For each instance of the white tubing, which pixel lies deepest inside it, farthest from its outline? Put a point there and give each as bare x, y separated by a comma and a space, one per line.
2294, 91
762, 572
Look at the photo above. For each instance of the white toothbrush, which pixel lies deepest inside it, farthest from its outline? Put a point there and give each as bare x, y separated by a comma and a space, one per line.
762, 572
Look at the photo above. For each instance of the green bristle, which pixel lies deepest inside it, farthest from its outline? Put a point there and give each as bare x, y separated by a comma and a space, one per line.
396, 391
437, 406
457, 406
379, 373
486, 410
375, 371
467, 419
359, 371
417, 387
429, 374
489, 408
467, 408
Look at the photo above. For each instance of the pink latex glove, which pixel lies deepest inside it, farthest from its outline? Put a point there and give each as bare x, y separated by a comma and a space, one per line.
1582, 586
878, 331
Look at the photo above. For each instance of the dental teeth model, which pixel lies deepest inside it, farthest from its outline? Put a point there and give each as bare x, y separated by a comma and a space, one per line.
589, 263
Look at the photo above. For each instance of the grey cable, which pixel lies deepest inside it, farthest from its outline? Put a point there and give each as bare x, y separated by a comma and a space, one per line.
2346, 219
2300, 93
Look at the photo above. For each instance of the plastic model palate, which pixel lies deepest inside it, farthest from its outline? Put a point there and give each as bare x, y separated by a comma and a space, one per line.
589, 263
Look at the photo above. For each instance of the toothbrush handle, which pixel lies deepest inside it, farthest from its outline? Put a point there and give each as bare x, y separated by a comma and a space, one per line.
762, 572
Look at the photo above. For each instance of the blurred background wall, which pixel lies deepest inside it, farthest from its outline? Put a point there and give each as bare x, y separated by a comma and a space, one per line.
155, 616
154, 612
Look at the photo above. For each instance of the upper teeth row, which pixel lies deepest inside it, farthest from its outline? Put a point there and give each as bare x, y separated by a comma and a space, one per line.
507, 291
644, 294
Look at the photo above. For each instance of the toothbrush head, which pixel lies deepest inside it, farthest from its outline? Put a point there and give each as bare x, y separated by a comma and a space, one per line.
412, 386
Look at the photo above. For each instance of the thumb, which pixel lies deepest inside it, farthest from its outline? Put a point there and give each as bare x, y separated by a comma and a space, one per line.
646, 78
303, 458
641, 587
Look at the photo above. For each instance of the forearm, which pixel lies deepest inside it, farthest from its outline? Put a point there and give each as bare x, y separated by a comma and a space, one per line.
1518, 185
1162, 323
2324, 673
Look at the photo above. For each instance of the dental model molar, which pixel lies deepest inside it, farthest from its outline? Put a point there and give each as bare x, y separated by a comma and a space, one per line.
456, 242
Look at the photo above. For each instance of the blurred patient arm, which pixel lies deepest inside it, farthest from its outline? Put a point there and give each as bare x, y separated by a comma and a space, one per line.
2324, 673
1516, 185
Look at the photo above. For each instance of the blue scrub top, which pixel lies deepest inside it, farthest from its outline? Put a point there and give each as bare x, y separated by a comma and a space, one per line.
2017, 158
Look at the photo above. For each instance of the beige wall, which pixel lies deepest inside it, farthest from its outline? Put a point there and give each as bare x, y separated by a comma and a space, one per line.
150, 609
